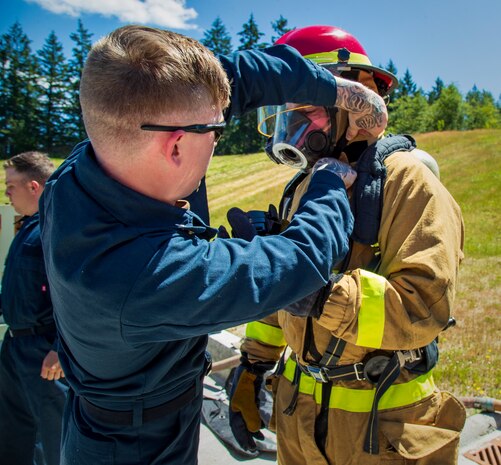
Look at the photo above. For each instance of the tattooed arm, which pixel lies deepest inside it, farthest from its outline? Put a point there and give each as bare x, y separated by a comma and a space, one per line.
366, 110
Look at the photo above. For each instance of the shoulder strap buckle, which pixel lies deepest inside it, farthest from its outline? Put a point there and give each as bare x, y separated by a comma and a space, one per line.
317, 373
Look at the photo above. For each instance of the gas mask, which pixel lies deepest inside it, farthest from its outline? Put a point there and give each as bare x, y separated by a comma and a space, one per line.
298, 135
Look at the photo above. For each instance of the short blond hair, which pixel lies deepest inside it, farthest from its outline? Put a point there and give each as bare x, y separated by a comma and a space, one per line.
137, 74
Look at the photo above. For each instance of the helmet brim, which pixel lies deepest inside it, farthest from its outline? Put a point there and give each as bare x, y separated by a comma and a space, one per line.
389, 79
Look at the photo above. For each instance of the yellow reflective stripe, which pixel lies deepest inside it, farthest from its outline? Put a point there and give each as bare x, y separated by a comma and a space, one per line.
332, 57
371, 313
265, 333
360, 400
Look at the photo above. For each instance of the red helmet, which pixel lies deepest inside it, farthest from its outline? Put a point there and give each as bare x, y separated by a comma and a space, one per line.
340, 52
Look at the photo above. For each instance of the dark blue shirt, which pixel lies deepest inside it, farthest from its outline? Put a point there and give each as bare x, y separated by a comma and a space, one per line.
25, 290
137, 284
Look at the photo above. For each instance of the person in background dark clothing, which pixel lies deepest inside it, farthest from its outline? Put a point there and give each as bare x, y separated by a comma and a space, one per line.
31, 395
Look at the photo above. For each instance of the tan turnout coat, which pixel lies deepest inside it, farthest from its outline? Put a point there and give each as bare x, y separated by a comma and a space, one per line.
421, 240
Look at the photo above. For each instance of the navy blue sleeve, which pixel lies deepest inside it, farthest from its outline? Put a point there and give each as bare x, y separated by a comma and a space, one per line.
227, 282
273, 76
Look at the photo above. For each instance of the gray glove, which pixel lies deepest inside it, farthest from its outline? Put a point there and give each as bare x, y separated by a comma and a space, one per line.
332, 165
313, 304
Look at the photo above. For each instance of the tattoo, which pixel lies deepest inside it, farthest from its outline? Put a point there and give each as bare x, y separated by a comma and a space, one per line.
355, 98
369, 121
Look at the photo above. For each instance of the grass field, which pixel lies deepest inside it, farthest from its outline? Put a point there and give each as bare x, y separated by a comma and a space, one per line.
470, 164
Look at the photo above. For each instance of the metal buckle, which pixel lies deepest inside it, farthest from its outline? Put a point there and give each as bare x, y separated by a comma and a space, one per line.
359, 373
409, 356
317, 373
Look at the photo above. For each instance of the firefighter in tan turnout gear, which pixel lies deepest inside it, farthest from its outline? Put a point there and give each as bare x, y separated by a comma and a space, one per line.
354, 383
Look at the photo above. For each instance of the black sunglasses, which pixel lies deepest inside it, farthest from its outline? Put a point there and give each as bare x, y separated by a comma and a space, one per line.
218, 128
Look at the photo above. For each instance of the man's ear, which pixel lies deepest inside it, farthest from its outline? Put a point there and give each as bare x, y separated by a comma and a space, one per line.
35, 186
172, 147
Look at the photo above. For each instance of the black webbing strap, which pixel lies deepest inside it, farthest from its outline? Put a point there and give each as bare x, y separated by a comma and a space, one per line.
388, 376
322, 420
333, 352
281, 363
309, 346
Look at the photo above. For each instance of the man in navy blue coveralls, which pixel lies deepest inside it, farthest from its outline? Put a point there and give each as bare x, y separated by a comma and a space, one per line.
135, 279
31, 397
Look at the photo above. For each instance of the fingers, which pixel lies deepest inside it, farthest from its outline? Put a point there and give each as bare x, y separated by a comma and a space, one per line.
51, 368
53, 373
367, 110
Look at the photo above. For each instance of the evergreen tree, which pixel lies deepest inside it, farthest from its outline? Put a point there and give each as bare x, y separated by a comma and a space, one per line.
407, 85
83, 43
53, 97
436, 91
19, 122
218, 41
391, 68
217, 38
280, 28
250, 35
241, 135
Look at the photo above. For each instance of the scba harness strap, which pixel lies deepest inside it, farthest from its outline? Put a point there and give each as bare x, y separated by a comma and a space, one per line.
367, 197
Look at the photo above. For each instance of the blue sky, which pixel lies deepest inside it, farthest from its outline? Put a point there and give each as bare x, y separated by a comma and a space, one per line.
456, 40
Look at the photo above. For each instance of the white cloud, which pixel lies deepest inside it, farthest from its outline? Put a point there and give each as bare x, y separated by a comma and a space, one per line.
166, 13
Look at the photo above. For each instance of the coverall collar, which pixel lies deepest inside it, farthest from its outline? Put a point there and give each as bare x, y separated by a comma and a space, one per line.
130, 207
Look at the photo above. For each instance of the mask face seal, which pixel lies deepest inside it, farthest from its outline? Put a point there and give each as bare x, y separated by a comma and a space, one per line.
299, 135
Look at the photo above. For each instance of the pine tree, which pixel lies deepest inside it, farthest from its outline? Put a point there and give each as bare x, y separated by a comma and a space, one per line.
436, 91
53, 98
391, 68
83, 43
250, 35
241, 135
217, 38
280, 27
19, 122
407, 85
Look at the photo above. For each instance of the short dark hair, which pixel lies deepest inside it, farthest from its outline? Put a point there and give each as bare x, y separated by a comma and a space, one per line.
35, 165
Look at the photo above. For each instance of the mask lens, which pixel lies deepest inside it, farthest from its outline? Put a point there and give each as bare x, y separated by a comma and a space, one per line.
302, 135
